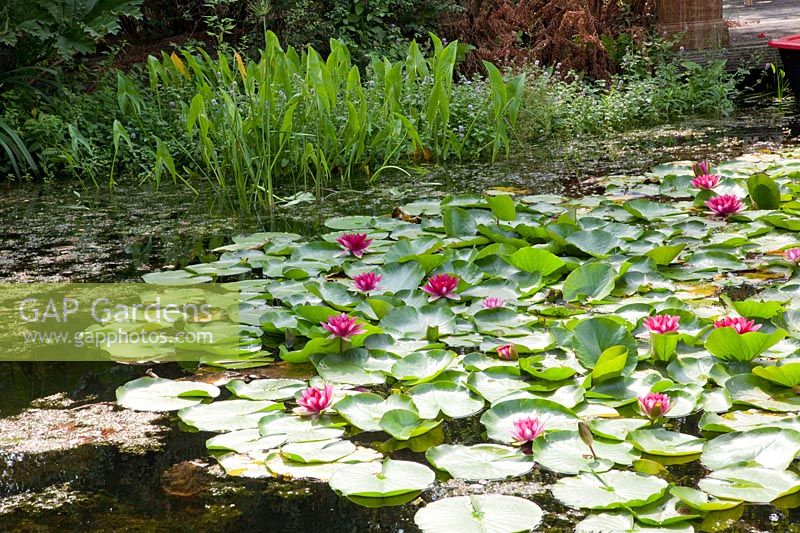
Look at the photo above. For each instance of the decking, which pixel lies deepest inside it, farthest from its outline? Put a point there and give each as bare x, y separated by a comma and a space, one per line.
750, 28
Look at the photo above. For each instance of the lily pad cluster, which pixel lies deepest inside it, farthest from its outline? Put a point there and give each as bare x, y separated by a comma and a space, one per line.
544, 317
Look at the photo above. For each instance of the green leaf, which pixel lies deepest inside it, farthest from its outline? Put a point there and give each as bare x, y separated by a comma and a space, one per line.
609, 490
728, 345
458, 222
381, 480
589, 282
494, 513
480, 462
750, 484
764, 192
502, 205
536, 260
787, 374
768, 447
158, 394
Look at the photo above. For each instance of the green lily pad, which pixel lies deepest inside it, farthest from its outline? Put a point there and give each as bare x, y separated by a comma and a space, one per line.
228, 415
381, 480
158, 394
750, 484
499, 420
482, 461
609, 490
768, 447
664, 442
493, 513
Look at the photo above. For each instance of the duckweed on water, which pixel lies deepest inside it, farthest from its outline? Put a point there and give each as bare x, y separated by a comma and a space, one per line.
612, 310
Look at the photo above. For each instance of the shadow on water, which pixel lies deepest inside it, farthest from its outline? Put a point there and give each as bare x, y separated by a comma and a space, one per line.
61, 232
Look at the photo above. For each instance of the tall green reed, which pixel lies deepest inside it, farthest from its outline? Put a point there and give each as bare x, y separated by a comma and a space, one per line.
293, 120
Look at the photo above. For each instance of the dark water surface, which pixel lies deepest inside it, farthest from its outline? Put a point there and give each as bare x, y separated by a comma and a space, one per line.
64, 232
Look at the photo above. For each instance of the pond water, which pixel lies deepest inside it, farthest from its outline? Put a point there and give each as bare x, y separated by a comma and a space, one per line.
64, 232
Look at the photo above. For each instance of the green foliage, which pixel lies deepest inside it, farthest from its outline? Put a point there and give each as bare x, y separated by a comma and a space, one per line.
293, 120
652, 88
41, 29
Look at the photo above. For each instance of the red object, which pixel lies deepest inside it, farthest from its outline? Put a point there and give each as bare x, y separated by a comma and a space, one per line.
762, 35
790, 42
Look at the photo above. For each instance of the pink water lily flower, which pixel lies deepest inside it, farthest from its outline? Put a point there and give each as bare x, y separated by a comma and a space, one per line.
315, 400
492, 302
662, 323
793, 255
706, 181
654, 405
725, 204
740, 324
342, 326
354, 243
507, 352
701, 168
368, 281
441, 286
527, 429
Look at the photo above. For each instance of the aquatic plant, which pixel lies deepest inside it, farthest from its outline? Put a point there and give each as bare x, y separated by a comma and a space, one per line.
724, 205
527, 429
654, 405
343, 326
507, 352
441, 286
587, 276
354, 243
793, 255
662, 323
294, 121
492, 302
739, 324
706, 181
315, 400
367, 281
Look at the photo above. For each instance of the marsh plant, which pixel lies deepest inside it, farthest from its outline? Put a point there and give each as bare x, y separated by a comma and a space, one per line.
292, 120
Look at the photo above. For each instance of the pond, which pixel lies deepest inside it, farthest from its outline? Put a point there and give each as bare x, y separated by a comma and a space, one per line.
73, 478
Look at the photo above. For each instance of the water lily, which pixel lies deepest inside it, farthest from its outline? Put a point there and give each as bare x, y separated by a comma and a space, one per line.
314, 400
493, 302
792, 254
706, 181
507, 352
701, 168
527, 429
725, 204
441, 286
740, 324
354, 243
654, 405
367, 281
662, 323
342, 326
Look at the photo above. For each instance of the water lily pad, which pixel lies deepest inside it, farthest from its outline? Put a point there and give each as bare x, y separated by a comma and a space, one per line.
750, 484
589, 282
482, 461
493, 513
499, 420
752, 390
266, 389
228, 415
664, 442
318, 451
787, 375
423, 366
381, 480
455, 401
768, 447
609, 490
158, 394
566, 453
365, 410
